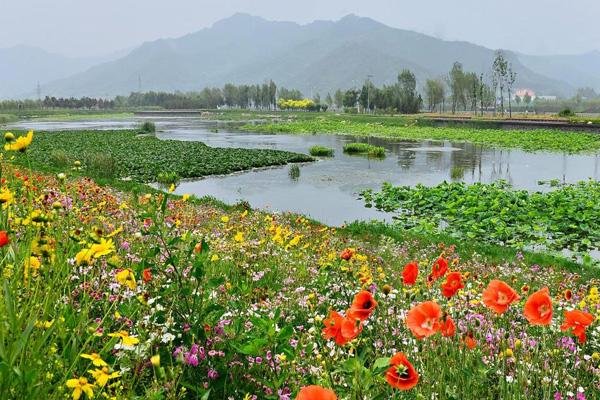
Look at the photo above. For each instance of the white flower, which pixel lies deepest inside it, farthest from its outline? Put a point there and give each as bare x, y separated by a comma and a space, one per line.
167, 337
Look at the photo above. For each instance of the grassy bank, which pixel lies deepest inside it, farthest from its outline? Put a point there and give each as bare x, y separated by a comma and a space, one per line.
125, 154
7, 118
530, 140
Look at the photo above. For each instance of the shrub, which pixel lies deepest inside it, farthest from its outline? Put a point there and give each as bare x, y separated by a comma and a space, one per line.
59, 158
321, 151
567, 112
148, 127
294, 172
457, 173
101, 165
167, 179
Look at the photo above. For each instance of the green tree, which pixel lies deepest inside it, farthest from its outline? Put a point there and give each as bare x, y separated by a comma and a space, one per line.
409, 100
434, 92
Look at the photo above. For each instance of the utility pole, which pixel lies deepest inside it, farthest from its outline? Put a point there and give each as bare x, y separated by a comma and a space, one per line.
38, 90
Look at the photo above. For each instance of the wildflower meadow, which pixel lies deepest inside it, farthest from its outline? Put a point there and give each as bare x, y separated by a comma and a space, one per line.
114, 294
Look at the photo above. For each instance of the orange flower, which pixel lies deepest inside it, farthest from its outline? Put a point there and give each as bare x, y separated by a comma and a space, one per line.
568, 295
448, 327
439, 269
538, 308
424, 319
347, 254
146, 275
410, 273
453, 284
401, 374
499, 296
470, 341
363, 305
315, 392
577, 321
4, 240
340, 328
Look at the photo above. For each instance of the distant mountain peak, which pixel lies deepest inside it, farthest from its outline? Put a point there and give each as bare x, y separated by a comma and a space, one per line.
239, 18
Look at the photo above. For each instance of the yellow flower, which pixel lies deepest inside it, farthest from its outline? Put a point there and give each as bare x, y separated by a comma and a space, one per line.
44, 324
21, 143
294, 241
172, 188
214, 258
239, 237
101, 375
155, 360
6, 197
80, 386
126, 277
126, 340
225, 219
185, 197
103, 248
9, 136
96, 359
84, 257
34, 263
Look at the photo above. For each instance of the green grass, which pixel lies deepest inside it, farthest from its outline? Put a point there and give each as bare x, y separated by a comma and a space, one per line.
529, 140
6, 118
124, 154
364, 148
321, 151
375, 232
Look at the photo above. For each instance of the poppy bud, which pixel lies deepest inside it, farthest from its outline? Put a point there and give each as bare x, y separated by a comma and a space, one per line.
9, 137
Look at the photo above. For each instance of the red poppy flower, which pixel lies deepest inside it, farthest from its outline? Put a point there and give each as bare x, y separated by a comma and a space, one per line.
498, 296
439, 269
452, 284
315, 392
146, 275
538, 308
347, 254
424, 319
448, 327
410, 273
363, 305
401, 374
577, 321
470, 341
340, 328
4, 240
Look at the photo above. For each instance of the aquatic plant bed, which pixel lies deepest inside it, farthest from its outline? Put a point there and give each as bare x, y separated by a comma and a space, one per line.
564, 218
365, 149
108, 294
529, 140
125, 154
321, 151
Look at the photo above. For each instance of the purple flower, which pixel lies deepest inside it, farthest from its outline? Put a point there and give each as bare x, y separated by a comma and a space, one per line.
213, 374
557, 396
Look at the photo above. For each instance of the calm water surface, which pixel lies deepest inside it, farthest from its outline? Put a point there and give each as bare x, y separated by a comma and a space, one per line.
327, 190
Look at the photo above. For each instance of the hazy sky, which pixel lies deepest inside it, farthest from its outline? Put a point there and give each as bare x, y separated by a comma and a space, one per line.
94, 27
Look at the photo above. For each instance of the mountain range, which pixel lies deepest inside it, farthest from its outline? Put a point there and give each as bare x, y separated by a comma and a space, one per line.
319, 57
